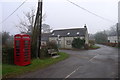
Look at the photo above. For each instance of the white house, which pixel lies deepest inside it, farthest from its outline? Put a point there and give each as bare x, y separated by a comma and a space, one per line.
65, 37
113, 39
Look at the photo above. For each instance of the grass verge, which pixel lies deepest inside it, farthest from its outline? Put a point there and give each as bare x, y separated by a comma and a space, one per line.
90, 48
9, 71
94, 47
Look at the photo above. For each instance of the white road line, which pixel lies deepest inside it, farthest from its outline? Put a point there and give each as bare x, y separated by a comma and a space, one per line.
72, 72
93, 58
78, 68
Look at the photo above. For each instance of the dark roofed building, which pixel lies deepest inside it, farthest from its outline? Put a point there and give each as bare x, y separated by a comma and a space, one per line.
66, 36
69, 32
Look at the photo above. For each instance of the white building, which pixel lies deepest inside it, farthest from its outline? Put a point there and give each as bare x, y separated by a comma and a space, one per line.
65, 37
112, 39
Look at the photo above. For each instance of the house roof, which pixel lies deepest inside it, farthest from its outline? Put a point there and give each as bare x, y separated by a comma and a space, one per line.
45, 36
69, 32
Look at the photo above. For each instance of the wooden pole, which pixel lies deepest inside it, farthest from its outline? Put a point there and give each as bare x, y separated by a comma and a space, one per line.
35, 34
40, 25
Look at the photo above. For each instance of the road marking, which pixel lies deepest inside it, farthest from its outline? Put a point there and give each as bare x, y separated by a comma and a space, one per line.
72, 73
93, 58
79, 67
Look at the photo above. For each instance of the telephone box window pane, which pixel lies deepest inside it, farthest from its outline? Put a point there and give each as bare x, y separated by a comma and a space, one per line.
26, 42
18, 50
17, 37
17, 46
26, 46
17, 43
25, 37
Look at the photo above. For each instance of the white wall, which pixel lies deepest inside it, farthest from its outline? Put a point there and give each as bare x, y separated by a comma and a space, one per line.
86, 38
113, 39
63, 41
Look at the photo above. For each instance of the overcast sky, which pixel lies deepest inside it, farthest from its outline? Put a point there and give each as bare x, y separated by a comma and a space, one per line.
61, 14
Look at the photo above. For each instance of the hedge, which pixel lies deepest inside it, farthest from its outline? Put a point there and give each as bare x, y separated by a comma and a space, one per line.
8, 55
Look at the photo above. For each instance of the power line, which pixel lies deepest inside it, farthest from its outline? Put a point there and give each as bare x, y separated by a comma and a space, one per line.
90, 12
13, 12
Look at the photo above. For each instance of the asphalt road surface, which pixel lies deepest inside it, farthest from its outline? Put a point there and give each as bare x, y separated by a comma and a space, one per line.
99, 63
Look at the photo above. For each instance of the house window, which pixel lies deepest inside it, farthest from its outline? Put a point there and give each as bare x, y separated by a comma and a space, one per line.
68, 33
78, 33
68, 42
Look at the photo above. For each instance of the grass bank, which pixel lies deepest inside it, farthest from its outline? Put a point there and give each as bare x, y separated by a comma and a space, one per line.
94, 47
90, 48
13, 70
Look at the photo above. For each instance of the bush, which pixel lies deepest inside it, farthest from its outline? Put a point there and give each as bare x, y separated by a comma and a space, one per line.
86, 46
119, 44
91, 42
44, 52
110, 44
52, 45
33, 51
8, 55
78, 43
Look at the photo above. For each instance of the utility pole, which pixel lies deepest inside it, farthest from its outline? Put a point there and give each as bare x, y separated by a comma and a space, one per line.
117, 25
40, 3
36, 35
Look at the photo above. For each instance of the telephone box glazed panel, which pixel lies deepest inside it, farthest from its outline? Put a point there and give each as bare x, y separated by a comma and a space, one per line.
22, 55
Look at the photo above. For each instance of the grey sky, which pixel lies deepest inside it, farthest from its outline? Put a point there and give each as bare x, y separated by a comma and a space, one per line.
61, 14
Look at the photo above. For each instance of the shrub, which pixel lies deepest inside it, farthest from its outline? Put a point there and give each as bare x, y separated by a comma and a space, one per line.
8, 55
44, 52
33, 51
91, 42
78, 43
86, 46
110, 44
119, 44
44, 49
52, 45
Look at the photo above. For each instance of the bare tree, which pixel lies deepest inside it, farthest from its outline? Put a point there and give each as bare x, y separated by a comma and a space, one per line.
5, 37
46, 28
26, 24
113, 30
100, 37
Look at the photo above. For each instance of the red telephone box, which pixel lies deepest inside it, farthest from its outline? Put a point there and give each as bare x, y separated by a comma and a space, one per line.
22, 55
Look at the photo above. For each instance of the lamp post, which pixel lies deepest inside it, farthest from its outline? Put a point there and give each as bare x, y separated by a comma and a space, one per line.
118, 36
58, 40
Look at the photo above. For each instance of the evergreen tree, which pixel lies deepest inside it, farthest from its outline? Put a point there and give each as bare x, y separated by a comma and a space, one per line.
78, 43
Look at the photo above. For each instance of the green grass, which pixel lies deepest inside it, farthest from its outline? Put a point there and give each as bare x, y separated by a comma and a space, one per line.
94, 47
13, 70
0, 70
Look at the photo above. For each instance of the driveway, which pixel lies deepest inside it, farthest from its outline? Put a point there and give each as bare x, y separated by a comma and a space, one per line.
99, 63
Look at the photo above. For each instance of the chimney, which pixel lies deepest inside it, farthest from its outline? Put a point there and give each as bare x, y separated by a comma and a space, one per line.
85, 26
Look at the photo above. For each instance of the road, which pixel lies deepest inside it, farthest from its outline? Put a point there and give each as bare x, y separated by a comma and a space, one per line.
99, 63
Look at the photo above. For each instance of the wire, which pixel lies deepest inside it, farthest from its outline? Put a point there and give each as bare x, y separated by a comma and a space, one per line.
90, 12
13, 12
